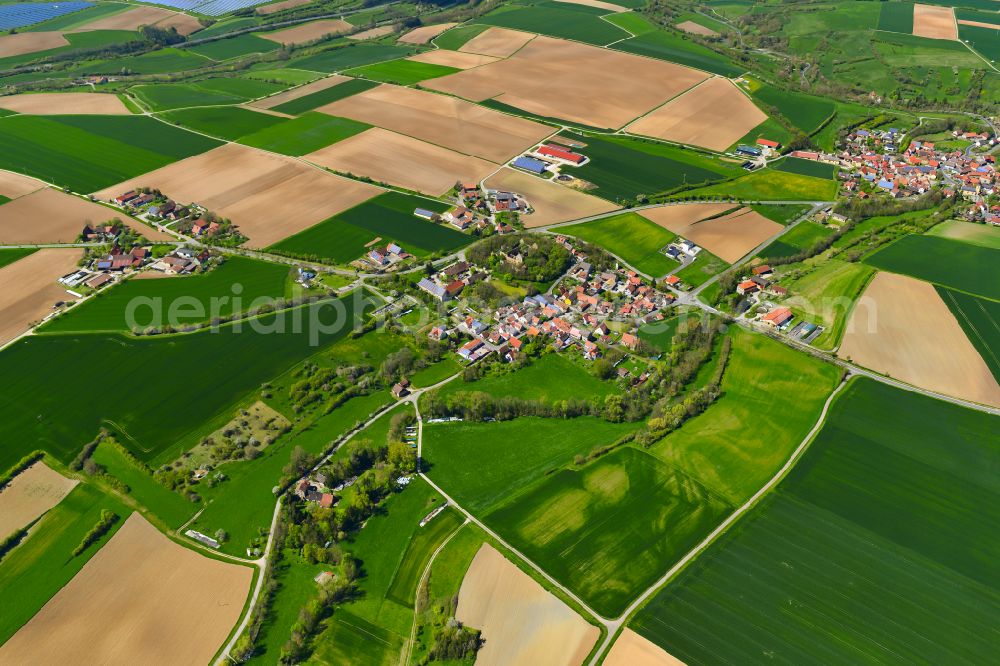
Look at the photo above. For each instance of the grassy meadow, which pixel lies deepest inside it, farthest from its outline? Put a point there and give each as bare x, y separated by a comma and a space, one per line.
298, 136
352, 55
826, 294
557, 19
401, 72
772, 185
946, 262
551, 378
980, 319
225, 122
633, 238
326, 96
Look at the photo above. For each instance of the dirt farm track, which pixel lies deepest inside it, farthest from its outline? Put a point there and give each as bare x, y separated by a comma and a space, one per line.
142, 599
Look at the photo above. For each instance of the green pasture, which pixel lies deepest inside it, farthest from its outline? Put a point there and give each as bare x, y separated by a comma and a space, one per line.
163, 61
423, 543
289, 77
458, 36
706, 266
557, 20
353, 55
984, 235
781, 213
802, 236
225, 122
623, 168
660, 334
90, 40
826, 294
9, 255
985, 40
47, 374
980, 319
344, 237
325, 96
633, 238
228, 25
208, 92
235, 47
771, 398
804, 111
673, 47
894, 502
37, 569
401, 72
949, 263
518, 452
896, 17
177, 301
87, 153
773, 185
310, 131
435, 373
609, 530
806, 167
633, 22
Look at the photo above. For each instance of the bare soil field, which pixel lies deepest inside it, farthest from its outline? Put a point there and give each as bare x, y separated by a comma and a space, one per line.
498, 42
308, 32
270, 197
714, 115
50, 216
402, 161
600, 4
65, 104
631, 649
442, 120
934, 22
577, 82
901, 327
521, 622
301, 91
28, 290
30, 42
374, 33
552, 203
278, 6
729, 237
455, 59
142, 599
133, 18
978, 24
682, 216
425, 33
696, 29
14, 185
30, 494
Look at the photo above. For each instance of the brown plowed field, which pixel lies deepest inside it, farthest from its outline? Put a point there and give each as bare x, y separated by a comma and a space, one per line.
696, 29
498, 42
402, 161
552, 203
683, 216
729, 237
521, 622
30, 42
455, 59
278, 6
374, 33
268, 196
14, 185
631, 649
980, 24
935, 22
714, 115
442, 120
301, 91
142, 599
308, 32
597, 3
28, 290
576, 82
51, 216
65, 104
184, 23
425, 33
32, 492
902, 328
131, 19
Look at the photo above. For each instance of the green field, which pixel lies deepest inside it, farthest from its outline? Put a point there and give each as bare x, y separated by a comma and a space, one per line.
290, 77
75, 19
87, 153
163, 503
773, 185
177, 301
879, 547
344, 237
88, 41
418, 553
660, 334
673, 47
806, 167
826, 295
980, 318
34, 571
804, 111
235, 47
800, 237
557, 20
896, 17
699, 271
9, 255
354, 55
609, 530
155, 62
984, 235
946, 262
208, 92
401, 72
48, 374
225, 122
326, 96
435, 373
771, 398
624, 168
781, 213
633, 238
984, 40
457, 37
518, 452
310, 131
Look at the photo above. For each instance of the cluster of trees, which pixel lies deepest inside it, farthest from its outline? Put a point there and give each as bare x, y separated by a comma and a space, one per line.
161, 36
298, 647
21, 465
315, 383
455, 642
482, 406
245, 646
542, 259
104, 523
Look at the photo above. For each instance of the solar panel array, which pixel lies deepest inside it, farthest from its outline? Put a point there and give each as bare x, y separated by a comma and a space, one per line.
210, 7
28, 13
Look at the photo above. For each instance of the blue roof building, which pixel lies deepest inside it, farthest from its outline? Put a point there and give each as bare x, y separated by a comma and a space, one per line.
529, 164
